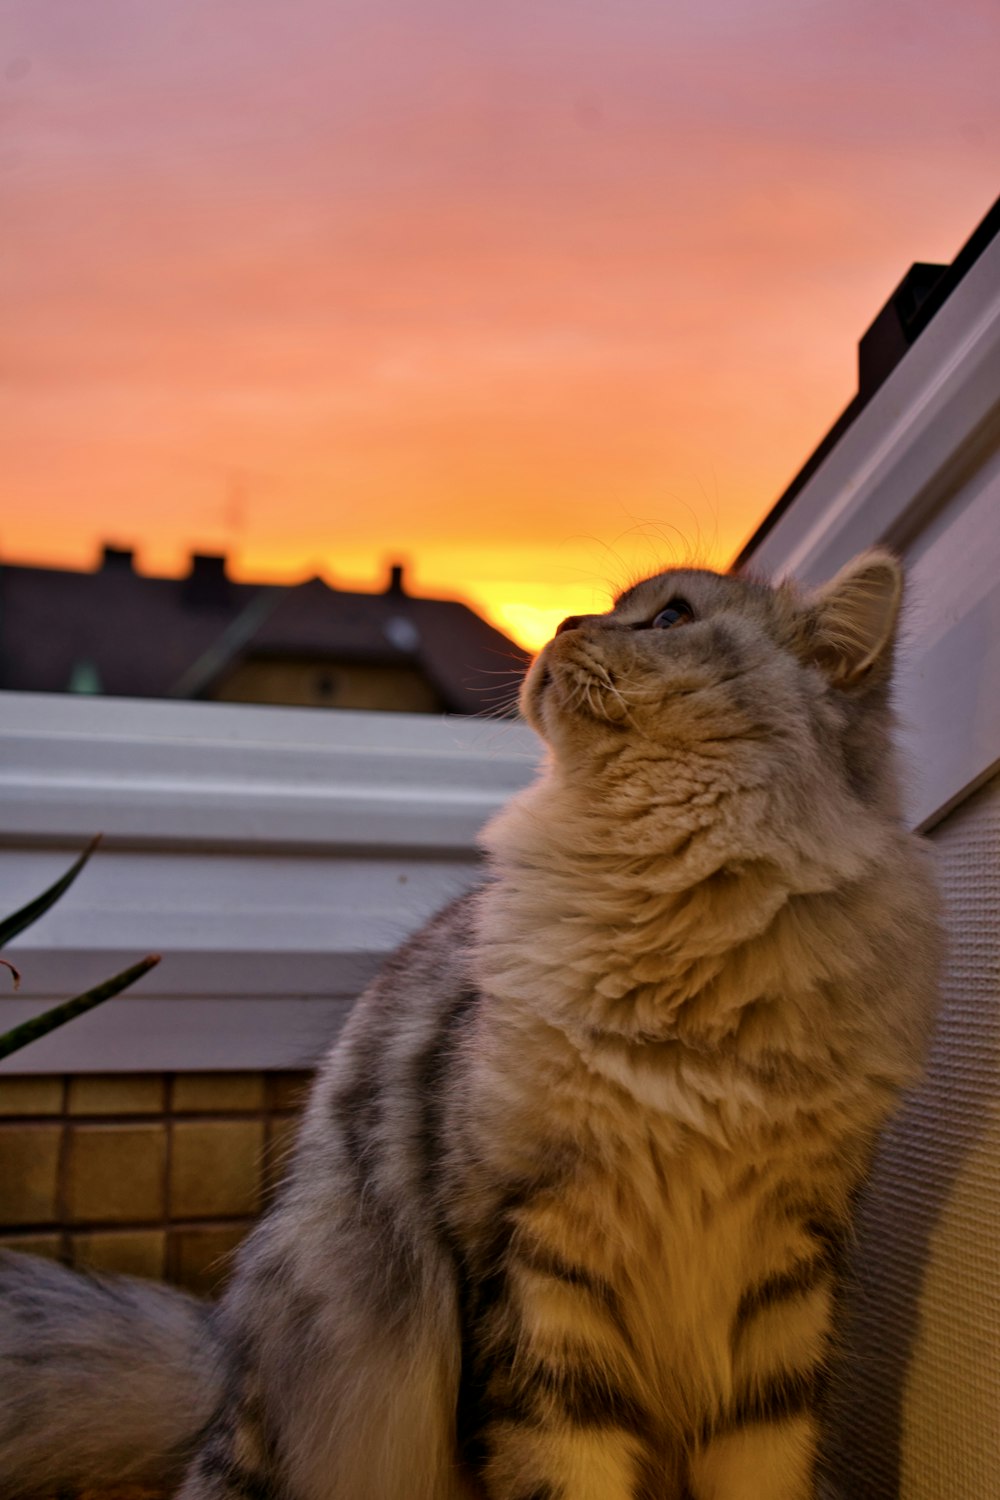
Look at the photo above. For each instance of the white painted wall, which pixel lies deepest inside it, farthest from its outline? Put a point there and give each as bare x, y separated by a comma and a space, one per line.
920, 470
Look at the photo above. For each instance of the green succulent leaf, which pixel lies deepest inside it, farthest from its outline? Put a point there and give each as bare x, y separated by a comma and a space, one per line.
30, 1031
19, 920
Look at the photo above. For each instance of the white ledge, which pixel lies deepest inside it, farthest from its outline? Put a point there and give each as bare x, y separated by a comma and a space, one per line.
273, 856
220, 774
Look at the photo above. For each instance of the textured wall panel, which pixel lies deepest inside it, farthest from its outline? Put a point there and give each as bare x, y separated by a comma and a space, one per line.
920, 1412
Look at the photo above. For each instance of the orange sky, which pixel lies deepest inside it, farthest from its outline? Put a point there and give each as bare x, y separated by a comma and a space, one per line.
536, 296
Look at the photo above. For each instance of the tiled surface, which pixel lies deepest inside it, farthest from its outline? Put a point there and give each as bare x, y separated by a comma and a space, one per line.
288, 1090
201, 1255
36, 1243
115, 1173
31, 1096
216, 1168
214, 1093
154, 1174
137, 1252
116, 1094
29, 1175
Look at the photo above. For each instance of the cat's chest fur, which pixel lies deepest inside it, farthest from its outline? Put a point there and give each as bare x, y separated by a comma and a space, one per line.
656, 1093
648, 1193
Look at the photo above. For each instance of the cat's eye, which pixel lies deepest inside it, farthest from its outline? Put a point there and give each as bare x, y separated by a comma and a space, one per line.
677, 612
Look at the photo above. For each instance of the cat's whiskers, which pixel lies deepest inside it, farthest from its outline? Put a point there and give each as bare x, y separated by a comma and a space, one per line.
587, 689
499, 711
591, 681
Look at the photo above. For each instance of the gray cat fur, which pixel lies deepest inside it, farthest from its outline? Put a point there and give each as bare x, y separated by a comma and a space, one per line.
101, 1378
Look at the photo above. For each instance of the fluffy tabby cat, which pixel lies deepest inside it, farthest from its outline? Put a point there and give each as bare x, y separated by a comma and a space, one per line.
564, 1215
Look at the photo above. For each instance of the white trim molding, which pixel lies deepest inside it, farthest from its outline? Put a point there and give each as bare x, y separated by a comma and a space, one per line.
273, 856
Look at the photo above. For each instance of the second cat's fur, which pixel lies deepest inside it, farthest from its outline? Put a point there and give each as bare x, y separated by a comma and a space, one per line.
564, 1217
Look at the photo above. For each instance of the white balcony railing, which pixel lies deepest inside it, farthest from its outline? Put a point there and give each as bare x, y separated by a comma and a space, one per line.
273, 856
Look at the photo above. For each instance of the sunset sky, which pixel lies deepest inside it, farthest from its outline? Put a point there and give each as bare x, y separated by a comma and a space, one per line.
535, 295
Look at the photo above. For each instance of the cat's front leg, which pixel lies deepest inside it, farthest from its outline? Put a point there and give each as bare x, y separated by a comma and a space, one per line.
554, 1461
555, 1410
762, 1446
761, 1461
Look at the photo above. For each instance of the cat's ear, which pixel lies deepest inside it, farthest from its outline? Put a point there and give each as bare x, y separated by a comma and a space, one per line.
851, 621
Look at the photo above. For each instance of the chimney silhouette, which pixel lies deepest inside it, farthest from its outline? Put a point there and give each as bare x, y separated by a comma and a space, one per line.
120, 558
207, 584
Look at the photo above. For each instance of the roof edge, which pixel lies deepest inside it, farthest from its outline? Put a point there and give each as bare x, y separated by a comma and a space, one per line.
981, 237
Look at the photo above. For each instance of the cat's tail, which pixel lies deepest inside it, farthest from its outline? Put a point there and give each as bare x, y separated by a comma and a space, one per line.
103, 1379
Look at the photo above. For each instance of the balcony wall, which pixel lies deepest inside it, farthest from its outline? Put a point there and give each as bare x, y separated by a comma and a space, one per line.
273, 857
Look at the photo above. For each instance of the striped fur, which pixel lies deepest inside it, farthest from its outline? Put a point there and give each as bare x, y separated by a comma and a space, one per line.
565, 1216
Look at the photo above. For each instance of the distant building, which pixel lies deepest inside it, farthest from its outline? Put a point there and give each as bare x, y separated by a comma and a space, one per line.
124, 633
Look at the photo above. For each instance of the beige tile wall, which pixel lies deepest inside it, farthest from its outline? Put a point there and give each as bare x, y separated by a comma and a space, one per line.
155, 1174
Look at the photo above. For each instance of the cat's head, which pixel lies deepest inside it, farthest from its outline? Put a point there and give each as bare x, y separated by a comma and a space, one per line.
691, 661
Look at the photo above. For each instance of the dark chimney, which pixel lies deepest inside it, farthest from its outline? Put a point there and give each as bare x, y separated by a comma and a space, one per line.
122, 559
896, 327
206, 585
395, 584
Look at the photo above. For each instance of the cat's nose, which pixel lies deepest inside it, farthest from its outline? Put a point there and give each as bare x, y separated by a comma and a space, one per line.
572, 622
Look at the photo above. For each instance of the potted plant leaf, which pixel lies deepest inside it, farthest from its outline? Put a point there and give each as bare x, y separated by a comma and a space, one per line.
38, 1026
